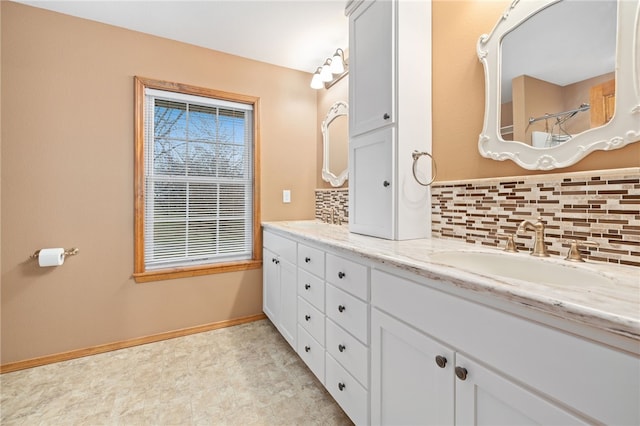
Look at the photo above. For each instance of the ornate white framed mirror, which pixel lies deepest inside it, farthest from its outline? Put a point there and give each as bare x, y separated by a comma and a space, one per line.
561, 81
335, 141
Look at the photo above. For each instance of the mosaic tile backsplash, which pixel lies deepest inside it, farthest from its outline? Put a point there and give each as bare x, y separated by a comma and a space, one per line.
601, 206
336, 200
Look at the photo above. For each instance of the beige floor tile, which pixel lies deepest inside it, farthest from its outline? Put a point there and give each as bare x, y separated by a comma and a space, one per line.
243, 375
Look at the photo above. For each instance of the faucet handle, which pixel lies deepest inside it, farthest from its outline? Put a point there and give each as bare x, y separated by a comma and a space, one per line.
510, 246
574, 255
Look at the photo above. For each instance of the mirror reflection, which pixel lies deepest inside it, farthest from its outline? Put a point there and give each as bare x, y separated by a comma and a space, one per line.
558, 73
339, 137
335, 138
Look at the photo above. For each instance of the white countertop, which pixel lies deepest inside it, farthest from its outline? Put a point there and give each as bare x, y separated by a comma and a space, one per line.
611, 308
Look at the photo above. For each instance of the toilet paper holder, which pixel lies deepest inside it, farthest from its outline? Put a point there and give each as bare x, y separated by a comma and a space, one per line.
67, 252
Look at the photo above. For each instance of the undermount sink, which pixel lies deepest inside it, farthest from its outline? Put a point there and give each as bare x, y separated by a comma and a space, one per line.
520, 267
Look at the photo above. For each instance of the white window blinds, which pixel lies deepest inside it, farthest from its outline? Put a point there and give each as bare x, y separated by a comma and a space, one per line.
198, 180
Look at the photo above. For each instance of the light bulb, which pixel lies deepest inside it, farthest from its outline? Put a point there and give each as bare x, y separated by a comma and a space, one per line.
337, 62
325, 73
316, 80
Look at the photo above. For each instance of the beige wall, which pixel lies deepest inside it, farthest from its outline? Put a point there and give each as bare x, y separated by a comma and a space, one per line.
67, 179
458, 97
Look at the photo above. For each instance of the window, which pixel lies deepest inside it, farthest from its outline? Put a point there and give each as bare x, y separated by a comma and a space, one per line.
196, 186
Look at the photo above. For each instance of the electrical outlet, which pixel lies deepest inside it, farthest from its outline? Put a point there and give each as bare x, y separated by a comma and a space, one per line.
286, 196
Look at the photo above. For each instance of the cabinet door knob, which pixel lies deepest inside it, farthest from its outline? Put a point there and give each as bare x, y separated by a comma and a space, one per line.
341, 348
385, 183
307, 317
341, 308
341, 386
307, 348
461, 373
307, 259
386, 116
307, 286
273, 260
341, 275
441, 361
277, 262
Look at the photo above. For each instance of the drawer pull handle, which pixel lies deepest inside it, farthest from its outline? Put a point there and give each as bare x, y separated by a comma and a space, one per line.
307, 259
441, 361
307, 348
461, 373
341, 386
307, 286
385, 183
385, 116
341, 275
341, 348
307, 317
341, 308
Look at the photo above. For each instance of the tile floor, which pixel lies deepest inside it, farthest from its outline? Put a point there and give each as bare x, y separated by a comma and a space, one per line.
242, 375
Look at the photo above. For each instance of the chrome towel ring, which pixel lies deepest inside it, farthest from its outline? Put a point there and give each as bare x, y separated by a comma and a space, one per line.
416, 155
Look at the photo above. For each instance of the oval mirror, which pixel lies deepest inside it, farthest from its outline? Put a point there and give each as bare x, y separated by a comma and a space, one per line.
335, 140
561, 81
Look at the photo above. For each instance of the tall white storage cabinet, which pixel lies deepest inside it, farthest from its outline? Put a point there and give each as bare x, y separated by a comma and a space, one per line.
389, 117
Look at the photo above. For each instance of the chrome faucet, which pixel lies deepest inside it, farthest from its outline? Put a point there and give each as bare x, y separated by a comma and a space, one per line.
539, 247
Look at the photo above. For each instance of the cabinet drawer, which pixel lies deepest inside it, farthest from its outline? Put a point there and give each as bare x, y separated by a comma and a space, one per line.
348, 312
311, 319
311, 352
348, 276
348, 351
311, 288
346, 390
280, 246
311, 259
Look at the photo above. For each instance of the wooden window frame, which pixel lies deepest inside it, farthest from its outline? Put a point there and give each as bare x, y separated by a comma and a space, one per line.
141, 275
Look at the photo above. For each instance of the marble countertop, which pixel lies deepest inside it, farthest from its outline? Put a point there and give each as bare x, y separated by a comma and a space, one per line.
613, 308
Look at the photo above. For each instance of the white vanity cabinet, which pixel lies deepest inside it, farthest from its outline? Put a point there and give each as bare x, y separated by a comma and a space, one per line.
279, 282
347, 335
389, 116
311, 317
407, 386
437, 357
329, 299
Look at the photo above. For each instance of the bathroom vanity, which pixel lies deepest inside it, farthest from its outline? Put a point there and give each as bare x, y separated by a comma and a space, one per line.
398, 337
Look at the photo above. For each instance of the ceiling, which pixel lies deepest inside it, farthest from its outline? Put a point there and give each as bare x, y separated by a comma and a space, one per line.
297, 34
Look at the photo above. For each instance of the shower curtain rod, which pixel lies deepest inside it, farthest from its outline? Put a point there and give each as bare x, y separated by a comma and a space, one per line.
583, 107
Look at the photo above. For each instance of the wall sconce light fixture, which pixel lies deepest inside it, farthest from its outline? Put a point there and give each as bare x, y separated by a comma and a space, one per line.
331, 71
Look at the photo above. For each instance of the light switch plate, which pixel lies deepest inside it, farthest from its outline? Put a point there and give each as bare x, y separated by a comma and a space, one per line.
286, 196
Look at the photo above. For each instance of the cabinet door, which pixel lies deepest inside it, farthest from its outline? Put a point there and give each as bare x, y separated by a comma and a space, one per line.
371, 67
271, 286
371, 185
288, 302
408, 387
486, 398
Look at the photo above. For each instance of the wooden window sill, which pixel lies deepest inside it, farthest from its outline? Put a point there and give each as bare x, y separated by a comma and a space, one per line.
195, 271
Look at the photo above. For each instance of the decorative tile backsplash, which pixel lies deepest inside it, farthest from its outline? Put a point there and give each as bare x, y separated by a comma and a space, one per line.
336, 200
601, 206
